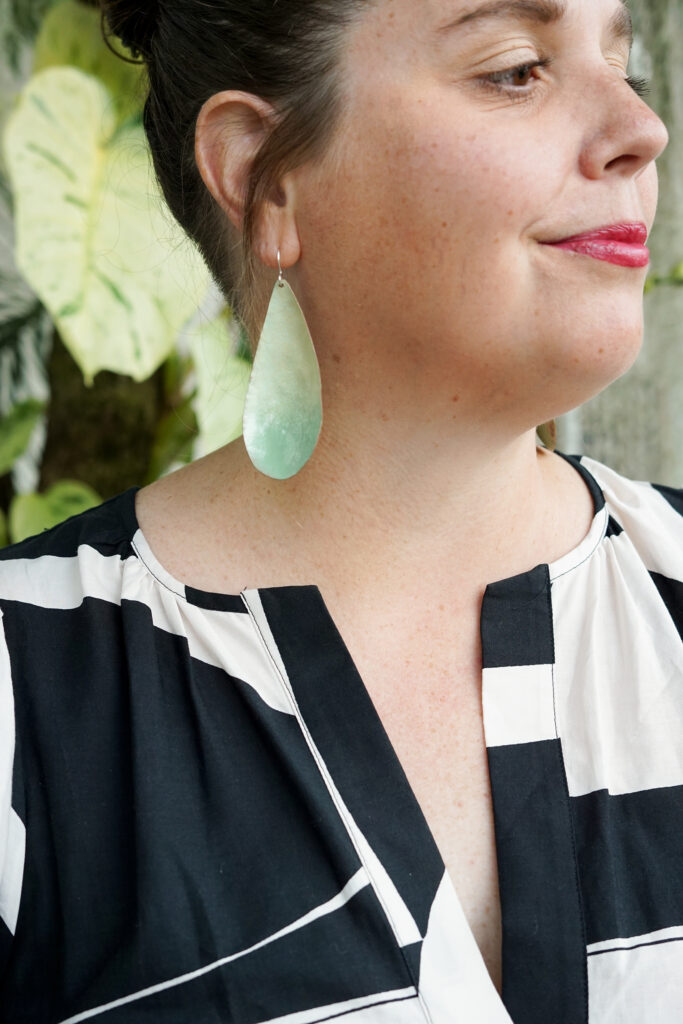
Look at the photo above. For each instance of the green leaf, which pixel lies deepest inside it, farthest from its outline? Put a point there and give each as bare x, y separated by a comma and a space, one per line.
677, 272
19, 307
94, 238
26, 516
71, 35
16, 430
178, 369
25, 16
32, 513
174, 439
222, 380
19, 23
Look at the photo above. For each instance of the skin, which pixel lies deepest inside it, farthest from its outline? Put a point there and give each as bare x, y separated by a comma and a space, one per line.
445, 333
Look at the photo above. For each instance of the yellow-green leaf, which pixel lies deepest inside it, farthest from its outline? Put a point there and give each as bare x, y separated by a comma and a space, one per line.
32, 513
27, 516
222, 380
16, 430
94, 238
173, 442
71, 35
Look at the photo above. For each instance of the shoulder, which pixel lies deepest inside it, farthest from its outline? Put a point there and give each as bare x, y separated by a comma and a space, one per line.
638, 504
107, 525
632, 494
645, 516
47, 623
53, 562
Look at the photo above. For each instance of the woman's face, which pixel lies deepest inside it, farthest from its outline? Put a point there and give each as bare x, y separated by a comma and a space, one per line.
474, 131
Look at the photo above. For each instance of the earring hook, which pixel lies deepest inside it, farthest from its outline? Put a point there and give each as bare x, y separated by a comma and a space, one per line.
279, 267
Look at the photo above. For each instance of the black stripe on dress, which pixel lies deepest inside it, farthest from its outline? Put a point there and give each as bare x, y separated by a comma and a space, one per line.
671, 593
614, 529
348, 732
674, 495
630, 851
544, 948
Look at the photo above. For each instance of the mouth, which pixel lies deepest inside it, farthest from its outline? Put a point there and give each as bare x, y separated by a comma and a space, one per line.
621, 244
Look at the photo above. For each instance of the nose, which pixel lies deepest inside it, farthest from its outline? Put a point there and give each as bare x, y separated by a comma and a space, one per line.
626, 135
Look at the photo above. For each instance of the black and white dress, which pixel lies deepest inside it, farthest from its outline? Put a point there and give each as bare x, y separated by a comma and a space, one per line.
202, 820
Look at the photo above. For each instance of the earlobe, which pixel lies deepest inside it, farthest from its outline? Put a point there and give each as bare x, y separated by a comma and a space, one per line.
276, 228
231, 128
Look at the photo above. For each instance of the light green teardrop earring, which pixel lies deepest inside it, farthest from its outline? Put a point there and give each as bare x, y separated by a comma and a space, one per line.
283, 410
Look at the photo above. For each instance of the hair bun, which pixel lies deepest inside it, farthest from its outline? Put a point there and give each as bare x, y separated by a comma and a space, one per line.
133, 21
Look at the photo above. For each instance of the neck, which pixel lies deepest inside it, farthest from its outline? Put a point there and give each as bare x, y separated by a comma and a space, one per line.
397, 503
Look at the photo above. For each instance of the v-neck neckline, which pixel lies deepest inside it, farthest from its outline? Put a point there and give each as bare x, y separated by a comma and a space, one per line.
349, 739
355, 746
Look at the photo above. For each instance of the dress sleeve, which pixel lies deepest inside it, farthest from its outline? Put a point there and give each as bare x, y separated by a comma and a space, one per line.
12, 830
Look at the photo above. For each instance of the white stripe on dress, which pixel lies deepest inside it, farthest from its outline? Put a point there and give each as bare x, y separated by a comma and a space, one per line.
638, 985
454, 980
518, 704
55, 581
652, 523
618, 676
12, 831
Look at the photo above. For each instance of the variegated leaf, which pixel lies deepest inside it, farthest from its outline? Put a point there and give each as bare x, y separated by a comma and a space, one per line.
94, 238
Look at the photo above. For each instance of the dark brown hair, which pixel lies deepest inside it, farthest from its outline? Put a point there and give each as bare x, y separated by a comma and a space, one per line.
284, 51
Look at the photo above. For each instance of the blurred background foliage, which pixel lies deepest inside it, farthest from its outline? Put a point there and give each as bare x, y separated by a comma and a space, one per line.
118, 359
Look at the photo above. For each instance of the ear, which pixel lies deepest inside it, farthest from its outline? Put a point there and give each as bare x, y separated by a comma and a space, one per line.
231, 128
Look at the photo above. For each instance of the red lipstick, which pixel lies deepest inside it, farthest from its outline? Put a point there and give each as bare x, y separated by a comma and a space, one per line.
622, 244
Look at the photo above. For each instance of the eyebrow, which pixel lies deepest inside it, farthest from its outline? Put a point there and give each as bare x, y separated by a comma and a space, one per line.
544, 12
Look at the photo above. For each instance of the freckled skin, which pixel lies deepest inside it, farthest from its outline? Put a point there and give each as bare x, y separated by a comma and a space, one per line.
443, 194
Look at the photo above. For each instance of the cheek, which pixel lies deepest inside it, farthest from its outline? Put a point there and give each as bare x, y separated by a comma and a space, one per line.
448, 192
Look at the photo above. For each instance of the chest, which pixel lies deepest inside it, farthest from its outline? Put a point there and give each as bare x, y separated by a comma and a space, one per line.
432, 714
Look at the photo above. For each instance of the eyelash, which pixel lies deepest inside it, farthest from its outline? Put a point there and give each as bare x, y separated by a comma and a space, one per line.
640, 86
496, 80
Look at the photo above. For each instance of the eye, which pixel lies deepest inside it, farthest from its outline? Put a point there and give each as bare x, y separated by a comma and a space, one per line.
514, 80
517, 79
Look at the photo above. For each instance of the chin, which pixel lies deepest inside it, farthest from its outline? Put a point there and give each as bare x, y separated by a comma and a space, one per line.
586, 362
612, 359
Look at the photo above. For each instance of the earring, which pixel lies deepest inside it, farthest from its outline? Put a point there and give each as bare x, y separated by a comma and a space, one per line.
283, 410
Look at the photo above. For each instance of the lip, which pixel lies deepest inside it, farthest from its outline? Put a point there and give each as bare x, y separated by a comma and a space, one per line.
621, 244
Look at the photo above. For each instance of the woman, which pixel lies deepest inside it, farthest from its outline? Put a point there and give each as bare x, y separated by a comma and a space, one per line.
270, 719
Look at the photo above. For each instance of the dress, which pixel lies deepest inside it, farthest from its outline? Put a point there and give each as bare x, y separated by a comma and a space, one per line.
202, 820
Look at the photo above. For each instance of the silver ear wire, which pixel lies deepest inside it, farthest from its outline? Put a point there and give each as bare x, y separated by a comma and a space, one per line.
279, 267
